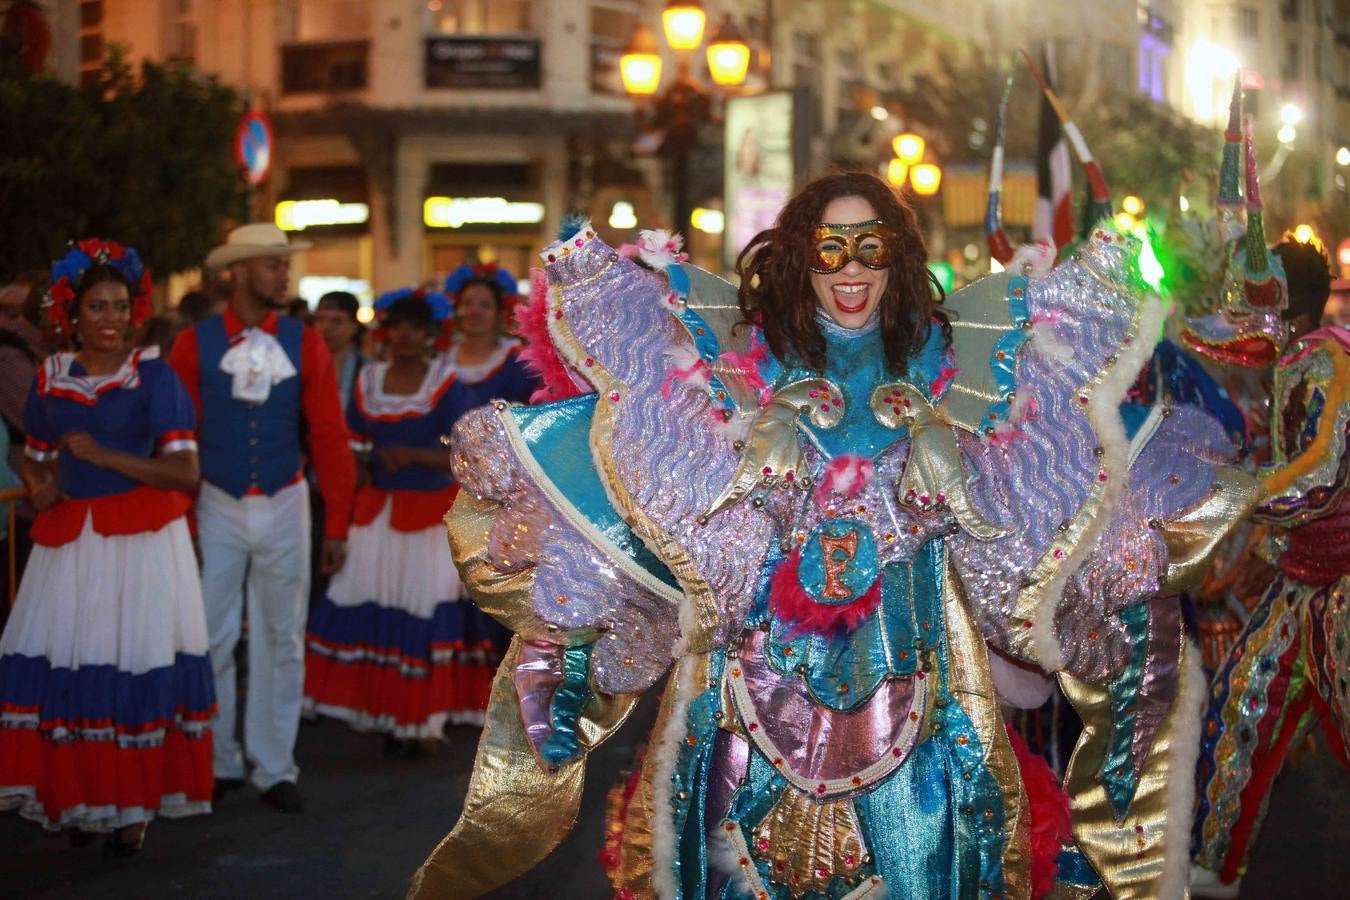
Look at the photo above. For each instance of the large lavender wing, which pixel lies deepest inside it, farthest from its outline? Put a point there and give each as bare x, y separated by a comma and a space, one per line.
534, 559
1055, 467
656, 441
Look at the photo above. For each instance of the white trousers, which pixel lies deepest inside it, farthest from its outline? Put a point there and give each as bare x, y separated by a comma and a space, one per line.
257, 547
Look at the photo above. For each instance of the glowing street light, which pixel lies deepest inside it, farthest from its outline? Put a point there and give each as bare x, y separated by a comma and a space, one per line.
1132, 205
621, 215
897, 172
683, 21
908, 148
1304, 234
1343, 156
925, 178
640, 65
708, 221
1286, 134
728, 55
1290, 114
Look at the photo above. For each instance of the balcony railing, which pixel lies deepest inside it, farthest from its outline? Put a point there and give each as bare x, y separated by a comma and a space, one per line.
325, 68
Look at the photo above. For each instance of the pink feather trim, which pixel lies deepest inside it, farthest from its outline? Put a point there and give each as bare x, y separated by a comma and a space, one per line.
1051, 824
791, 603
696, 373
539, 353
845, 475
749, 362
943, 381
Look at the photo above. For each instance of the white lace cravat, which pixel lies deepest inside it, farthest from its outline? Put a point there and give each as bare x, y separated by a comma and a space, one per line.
257, 362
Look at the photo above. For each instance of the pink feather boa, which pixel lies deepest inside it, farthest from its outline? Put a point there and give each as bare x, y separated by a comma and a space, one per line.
1049, 808
791, 603
539, 353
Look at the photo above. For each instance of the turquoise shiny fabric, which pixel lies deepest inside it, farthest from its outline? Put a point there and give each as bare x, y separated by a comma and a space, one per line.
690, 786
558, 436
857, 364
1075, 869
562, 745
859, 570
1119, 774
1003, 359
935, 827
889, 642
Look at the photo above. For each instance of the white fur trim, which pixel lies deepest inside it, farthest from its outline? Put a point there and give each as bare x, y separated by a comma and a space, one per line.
726, 849
667, 750
1182, 756
1034, 260
1103, 412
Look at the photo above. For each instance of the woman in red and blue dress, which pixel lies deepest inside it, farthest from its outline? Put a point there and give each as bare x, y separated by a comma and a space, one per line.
384, 649
105, 682
483, 355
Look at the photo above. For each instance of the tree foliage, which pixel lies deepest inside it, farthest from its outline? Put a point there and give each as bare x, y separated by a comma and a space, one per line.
143, 158
1143, 146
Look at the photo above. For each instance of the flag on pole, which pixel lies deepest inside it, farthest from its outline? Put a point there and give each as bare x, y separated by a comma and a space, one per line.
1053, 220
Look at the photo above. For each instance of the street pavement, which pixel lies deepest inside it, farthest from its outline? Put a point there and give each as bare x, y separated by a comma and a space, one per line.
370, 820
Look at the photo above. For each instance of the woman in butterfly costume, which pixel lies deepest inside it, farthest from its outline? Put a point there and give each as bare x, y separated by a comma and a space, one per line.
846, 537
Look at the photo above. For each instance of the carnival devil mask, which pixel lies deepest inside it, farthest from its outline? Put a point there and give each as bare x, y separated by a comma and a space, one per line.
1247, 329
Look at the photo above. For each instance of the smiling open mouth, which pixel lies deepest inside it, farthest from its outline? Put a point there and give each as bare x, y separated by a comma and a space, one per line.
850, 298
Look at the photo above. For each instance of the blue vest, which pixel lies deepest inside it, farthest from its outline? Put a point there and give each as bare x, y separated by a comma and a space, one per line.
245, 445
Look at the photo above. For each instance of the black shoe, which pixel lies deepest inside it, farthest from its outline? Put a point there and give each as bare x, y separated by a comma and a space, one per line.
224, 786
284, 797
125, 842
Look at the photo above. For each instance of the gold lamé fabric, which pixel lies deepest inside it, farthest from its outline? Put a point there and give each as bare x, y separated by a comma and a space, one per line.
514, 813
807, 843
1128, 854
1193, 537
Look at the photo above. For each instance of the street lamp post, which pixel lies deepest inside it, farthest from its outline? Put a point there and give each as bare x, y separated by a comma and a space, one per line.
686, 105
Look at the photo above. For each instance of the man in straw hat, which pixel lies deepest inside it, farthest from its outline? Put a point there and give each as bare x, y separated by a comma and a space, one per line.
258, 379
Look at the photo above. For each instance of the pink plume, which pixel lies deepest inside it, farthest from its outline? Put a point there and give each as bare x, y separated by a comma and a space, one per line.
943, 381
539, 353
748, 361
1050, 821
696, 372
846, 476
791, 603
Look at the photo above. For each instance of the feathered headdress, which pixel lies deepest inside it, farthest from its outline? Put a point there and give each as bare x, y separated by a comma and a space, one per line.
442, 312
84, 255
471, 273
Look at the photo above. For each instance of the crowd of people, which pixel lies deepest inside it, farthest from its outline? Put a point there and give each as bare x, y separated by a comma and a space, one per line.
243, 476
855, 521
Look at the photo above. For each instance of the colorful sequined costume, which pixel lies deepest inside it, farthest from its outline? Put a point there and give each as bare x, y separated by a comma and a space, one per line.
1288, 671
711, 511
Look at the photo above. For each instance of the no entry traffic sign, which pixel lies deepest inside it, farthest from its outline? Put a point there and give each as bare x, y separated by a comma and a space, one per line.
253, 146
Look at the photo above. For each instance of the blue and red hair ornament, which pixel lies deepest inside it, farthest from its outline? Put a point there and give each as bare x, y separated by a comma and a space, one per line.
83, 256
474, 273
442, 312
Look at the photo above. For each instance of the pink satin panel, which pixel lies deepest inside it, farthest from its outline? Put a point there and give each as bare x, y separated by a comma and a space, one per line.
538, 673
817, 743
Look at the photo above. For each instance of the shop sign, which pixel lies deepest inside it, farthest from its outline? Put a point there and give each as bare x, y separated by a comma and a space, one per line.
452, 212
297, 215
482, 62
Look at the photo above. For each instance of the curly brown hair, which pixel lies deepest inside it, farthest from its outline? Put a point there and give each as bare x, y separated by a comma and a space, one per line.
776, 293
